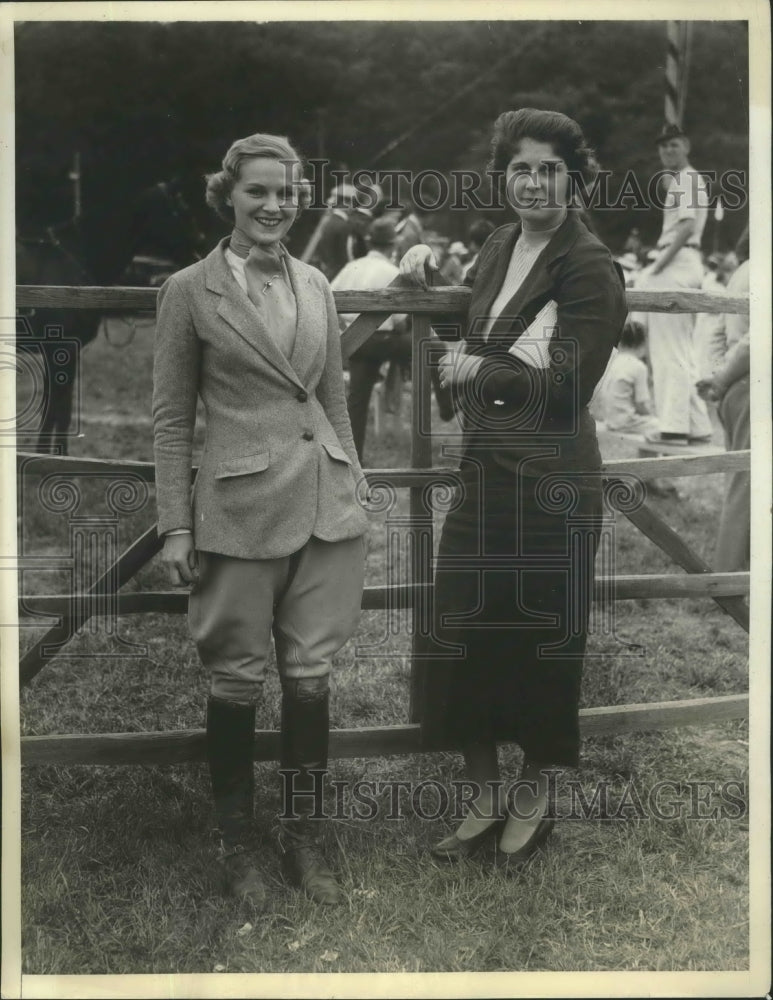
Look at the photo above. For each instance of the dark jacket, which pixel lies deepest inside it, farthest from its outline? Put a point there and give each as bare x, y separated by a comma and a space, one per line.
518, 416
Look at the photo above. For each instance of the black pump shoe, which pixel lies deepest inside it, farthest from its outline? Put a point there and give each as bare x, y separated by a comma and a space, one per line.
517, 859
451, 848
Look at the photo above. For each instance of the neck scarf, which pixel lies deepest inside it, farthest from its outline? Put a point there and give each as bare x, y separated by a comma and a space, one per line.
269, 288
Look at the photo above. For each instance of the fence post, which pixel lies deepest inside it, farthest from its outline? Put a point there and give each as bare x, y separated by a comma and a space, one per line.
420, 529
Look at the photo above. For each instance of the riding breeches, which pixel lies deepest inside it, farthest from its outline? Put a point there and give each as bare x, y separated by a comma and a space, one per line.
310, 602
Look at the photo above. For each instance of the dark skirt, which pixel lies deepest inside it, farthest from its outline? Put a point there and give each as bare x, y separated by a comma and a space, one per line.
512, 597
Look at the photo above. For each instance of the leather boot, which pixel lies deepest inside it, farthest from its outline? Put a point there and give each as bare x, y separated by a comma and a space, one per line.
230, 739
303, 744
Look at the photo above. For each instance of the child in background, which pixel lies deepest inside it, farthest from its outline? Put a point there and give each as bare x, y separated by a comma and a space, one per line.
624, 392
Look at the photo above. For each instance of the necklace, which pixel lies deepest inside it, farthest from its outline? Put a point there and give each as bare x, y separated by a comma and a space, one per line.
269, 282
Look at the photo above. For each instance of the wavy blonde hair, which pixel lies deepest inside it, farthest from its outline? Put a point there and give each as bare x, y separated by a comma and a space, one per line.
275, 147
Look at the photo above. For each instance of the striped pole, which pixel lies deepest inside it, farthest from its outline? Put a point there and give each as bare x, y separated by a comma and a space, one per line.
685, 53
673, 48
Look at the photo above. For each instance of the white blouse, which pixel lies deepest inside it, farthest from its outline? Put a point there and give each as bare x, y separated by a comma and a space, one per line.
532, 346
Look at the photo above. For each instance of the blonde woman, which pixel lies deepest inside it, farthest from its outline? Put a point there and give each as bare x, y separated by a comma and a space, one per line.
272, 540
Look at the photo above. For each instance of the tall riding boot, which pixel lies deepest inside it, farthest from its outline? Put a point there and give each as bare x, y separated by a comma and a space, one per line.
230, 741
303, 745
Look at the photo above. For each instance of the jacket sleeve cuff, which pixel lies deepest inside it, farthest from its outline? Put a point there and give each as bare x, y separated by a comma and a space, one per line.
170, 525
508, 379
174, 514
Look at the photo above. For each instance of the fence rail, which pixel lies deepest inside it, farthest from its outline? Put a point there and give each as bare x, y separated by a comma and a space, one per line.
397, 298
670, 466
623, 587
72, 611
187, 745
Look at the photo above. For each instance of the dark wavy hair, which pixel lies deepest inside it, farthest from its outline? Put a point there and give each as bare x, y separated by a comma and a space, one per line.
563, 134
275, 147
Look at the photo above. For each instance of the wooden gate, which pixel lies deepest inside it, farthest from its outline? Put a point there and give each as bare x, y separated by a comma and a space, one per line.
75, 610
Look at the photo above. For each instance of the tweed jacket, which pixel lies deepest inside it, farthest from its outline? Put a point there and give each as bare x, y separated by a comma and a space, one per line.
279, 463
535, 419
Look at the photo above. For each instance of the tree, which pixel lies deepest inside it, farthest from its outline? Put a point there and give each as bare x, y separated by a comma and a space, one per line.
143, 101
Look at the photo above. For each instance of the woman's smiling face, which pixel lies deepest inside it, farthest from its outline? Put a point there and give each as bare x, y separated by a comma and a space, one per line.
265, 199
537, 182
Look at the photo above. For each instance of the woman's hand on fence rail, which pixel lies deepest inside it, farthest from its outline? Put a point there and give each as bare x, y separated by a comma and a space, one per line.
179, 557
417, 263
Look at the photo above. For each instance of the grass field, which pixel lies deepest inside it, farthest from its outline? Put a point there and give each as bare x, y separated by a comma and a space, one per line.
117, 871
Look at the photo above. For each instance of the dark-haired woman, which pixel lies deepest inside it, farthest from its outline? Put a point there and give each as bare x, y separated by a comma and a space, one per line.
272, 540
514, 576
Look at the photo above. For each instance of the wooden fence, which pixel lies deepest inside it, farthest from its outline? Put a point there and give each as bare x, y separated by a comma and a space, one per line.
74, 610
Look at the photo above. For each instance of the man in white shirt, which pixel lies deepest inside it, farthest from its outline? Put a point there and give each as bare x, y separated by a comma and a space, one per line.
729, 387
709, 325
391, 342
682, 414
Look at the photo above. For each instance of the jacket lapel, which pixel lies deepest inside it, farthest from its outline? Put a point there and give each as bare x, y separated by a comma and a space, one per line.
310, 333
239, 313
490, 275
536, 289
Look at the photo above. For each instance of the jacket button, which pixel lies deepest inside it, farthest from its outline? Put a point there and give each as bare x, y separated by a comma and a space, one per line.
302, 396
308, 436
